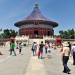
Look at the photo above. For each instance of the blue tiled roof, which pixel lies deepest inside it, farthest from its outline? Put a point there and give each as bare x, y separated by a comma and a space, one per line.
36, 15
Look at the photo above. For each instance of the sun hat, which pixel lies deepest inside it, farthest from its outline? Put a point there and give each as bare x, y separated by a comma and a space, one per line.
65, 44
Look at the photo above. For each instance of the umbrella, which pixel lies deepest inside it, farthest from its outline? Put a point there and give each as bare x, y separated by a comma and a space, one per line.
12, 39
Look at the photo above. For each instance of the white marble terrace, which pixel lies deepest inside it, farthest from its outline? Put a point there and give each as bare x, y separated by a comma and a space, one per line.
26, 39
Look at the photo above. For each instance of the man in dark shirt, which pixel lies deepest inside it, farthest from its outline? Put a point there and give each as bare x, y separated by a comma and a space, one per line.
69, 45
41, 49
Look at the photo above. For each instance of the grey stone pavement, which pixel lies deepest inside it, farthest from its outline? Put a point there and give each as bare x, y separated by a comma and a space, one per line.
26, 64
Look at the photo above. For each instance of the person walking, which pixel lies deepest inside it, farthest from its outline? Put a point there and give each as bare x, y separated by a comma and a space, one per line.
34, 48
65, 57
41, 49
12, 46
20, 48
73, 51
46, 46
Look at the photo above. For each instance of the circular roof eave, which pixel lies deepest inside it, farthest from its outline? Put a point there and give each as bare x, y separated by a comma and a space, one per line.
54, 24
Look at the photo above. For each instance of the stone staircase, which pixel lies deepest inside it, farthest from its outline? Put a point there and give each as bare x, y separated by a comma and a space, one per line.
35, 40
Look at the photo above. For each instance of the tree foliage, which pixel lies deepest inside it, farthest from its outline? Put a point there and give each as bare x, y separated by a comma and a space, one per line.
8, 33
69, 34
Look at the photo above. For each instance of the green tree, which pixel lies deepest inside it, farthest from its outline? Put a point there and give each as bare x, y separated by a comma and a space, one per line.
72, 34
61, 33
13, 33
65, 35
8, 33
69, 34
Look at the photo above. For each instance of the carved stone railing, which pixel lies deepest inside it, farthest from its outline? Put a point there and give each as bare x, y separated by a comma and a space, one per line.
49, 38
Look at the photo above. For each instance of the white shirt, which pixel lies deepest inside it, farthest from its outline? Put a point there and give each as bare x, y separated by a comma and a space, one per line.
73, 48
66, 51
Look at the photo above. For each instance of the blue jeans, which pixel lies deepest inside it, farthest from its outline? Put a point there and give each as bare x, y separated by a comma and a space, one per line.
46, 50
41, 53
34, 52
73, 58
65, 60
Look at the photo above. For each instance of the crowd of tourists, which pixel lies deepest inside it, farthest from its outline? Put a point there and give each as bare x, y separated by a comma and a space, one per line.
68, 49
40, 50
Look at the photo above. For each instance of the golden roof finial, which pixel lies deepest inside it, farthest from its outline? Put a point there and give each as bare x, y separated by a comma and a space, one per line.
36, 4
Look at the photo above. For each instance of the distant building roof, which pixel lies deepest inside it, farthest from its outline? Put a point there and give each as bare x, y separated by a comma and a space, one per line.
36, 16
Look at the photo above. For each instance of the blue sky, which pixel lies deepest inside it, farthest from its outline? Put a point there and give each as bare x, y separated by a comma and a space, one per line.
60, 11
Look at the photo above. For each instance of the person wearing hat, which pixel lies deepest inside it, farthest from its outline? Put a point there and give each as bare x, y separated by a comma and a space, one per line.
73, 50
65, 57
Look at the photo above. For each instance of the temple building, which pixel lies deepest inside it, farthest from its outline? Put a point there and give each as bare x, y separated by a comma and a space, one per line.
36, 25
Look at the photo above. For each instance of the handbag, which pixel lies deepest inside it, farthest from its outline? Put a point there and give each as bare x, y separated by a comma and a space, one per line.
49, 50
32, 49
38, 54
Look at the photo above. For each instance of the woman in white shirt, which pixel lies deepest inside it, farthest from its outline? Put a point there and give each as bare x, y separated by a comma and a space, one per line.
73, 50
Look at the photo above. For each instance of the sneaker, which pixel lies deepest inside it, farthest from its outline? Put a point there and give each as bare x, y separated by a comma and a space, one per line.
41, 57
64, 72
68, 73
38, 57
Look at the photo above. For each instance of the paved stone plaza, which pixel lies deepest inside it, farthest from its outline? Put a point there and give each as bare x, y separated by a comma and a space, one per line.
26, 64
